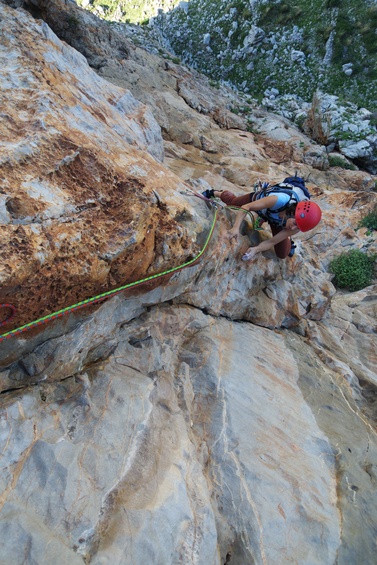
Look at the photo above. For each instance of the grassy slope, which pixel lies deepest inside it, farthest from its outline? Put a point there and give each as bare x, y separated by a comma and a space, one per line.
300, 25
129, 11
288, 24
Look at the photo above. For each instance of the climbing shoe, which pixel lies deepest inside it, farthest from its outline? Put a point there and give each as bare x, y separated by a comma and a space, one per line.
292, 251
208, 193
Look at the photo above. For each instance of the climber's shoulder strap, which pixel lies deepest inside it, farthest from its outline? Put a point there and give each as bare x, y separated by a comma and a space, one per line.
282, 187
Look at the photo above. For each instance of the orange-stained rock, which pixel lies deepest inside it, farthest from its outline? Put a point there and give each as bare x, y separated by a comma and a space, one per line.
79, 211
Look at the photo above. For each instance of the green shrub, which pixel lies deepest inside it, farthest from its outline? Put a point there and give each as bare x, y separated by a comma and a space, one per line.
353, 270
370, 220
72, 21
337, 161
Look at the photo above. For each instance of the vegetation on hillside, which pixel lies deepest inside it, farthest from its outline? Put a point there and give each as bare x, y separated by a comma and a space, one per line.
293, 46
292, 56
353, 270
127, 11
370, 220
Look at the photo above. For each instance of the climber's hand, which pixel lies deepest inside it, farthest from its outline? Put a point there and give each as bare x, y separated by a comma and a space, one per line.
250, 254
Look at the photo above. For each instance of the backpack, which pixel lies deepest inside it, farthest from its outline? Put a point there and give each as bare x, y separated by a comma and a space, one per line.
300, 183
288, 187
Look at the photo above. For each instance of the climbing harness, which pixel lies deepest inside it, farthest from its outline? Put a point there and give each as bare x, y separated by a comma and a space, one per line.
110, 293
293, 187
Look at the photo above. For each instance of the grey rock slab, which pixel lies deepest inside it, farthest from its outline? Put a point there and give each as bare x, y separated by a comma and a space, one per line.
190, 441
349, 426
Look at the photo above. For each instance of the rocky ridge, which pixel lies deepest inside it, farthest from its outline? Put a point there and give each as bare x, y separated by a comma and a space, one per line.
284, 55
225, 413
292, 47
342, 125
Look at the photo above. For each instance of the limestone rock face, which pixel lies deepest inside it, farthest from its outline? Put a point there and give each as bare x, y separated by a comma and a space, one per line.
220, 413
187, 438
80, 196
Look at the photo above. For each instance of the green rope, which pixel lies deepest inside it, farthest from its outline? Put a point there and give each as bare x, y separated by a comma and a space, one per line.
254, 222
115, 291
109, 293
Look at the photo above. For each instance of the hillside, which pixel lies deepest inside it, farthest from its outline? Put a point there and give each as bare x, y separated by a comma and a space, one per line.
294, 47
295, 58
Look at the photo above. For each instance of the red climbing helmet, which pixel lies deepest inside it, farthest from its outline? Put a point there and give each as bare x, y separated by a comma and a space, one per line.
308, 215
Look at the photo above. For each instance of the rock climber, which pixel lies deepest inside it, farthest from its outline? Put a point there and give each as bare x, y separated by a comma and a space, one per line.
285, 206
